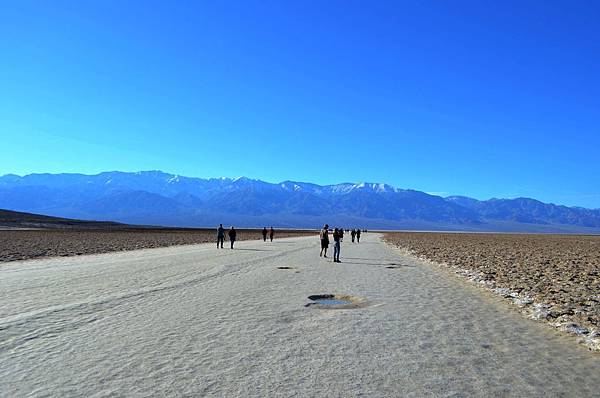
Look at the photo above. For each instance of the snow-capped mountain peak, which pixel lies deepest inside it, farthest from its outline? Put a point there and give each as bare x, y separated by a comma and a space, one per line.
154, 197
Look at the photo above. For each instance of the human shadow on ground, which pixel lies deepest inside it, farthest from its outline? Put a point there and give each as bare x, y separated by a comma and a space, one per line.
254, 250
366, 259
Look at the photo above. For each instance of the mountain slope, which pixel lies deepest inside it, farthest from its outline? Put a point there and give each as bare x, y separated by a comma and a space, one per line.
14, 219
525, 210
154, 197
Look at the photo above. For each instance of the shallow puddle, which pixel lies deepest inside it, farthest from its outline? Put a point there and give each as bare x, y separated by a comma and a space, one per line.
335, 301
332, 302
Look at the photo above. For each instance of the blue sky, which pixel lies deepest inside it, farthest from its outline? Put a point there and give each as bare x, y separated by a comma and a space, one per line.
482, 98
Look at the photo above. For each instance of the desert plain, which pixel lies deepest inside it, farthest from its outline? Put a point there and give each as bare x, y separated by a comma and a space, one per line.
192, 320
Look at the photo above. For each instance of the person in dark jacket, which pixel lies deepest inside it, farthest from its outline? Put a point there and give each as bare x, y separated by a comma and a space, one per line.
232, 235
337, 237
271, 233
358, 236
324, 235
220, 235
353, 234
264, 232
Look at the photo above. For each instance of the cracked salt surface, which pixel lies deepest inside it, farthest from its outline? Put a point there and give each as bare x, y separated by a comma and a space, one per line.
195, 321
527, 304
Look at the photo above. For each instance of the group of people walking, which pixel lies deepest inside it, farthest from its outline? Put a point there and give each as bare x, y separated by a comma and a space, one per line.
232, 233
270, 232
355, 234
338, 237
337, 234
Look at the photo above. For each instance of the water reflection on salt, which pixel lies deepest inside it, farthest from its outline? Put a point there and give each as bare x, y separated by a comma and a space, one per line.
332, 302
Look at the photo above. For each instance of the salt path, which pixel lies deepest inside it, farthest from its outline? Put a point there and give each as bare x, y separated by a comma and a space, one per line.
196, 321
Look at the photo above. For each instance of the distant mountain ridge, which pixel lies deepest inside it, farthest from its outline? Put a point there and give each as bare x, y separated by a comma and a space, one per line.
158, 198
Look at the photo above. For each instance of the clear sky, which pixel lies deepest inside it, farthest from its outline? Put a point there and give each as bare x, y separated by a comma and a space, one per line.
481, 98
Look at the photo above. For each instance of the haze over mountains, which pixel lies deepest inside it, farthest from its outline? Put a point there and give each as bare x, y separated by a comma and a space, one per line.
157, 198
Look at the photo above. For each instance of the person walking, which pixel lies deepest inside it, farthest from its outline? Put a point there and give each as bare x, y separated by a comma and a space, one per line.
271, 233
324, 235
264, 233
232, 235
353, 234
337, 237
358, 236
220, 235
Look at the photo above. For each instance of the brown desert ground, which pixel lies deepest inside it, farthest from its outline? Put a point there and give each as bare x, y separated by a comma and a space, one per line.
29, 244
551, 277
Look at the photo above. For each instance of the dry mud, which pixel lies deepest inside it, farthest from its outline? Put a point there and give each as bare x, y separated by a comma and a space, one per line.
555, 278
29, 244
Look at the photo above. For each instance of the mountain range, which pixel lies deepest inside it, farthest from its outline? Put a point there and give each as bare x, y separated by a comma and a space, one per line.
158, 198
